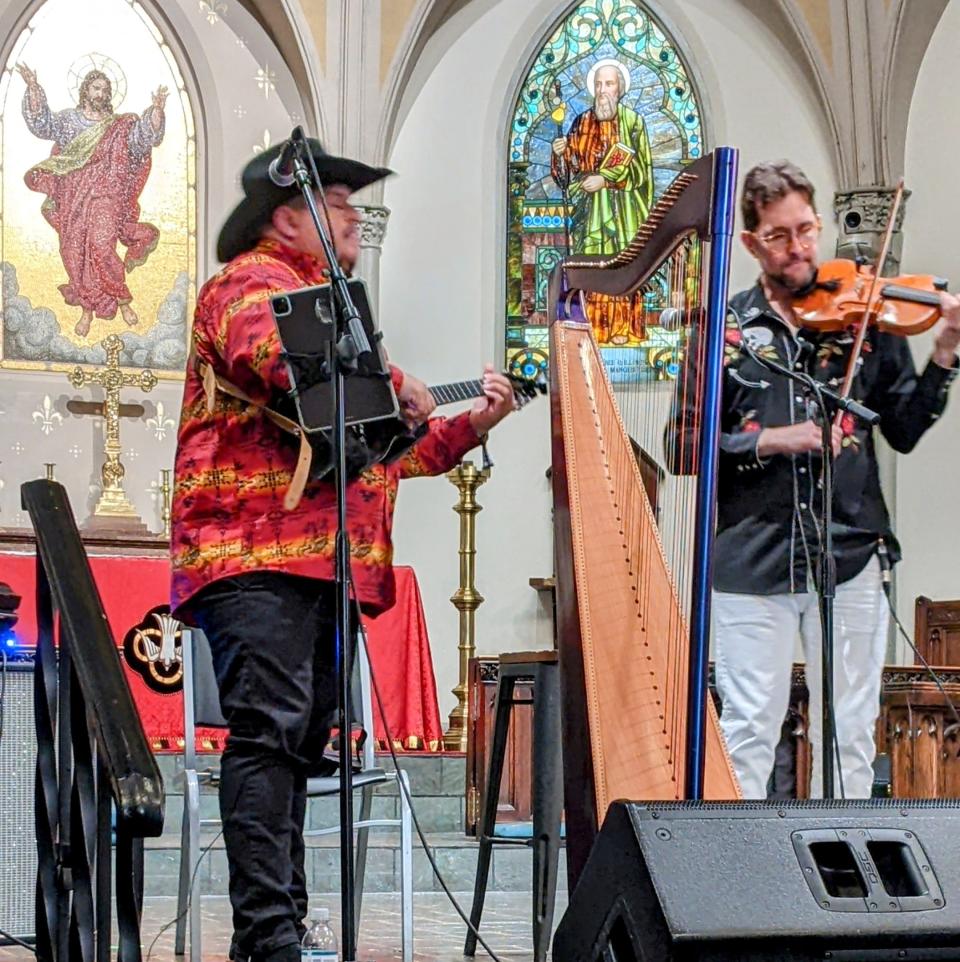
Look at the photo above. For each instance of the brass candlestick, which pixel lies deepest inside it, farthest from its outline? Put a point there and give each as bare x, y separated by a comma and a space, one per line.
466, 599
165, 491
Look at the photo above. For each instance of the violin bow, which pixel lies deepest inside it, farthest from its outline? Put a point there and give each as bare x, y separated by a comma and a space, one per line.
872, 297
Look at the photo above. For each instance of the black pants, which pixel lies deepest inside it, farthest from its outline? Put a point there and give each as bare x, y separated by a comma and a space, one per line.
272, 639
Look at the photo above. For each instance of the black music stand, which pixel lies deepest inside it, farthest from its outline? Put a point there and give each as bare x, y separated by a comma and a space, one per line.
307, 325
349, 350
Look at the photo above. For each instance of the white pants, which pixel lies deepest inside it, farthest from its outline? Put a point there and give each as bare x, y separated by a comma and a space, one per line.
755, 639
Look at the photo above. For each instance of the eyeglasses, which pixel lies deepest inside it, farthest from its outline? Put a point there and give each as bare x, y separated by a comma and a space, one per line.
779, 240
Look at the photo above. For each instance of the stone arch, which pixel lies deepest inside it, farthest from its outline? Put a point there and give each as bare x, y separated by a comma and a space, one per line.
911, 38
418, 52
287, 27
17, 16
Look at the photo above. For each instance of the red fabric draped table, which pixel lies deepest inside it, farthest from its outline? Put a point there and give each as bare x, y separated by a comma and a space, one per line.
130, 586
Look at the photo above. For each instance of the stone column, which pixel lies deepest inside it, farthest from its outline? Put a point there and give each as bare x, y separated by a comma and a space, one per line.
861, 215
373, 229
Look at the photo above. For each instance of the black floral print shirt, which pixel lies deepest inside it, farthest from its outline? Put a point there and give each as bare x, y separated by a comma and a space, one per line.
768, 509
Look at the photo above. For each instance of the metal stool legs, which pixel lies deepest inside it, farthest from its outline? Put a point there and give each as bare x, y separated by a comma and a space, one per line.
547, 793
488, 810
547, 804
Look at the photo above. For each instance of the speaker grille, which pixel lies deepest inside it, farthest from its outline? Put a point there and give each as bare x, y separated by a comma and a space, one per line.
18, 762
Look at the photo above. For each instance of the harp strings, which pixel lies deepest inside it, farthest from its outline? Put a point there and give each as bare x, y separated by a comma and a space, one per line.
673, 302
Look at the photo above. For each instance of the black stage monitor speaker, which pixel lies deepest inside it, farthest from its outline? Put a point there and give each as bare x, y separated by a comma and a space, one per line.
749, 881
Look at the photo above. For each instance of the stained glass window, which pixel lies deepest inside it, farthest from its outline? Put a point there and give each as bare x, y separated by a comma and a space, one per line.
605, 118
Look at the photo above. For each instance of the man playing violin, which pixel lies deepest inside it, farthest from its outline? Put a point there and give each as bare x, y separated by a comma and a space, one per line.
769, 494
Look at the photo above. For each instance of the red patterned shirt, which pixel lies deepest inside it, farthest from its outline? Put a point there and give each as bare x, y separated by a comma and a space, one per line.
234, 465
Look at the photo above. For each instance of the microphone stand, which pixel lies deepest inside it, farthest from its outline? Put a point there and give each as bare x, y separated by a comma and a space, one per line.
349, 342
827, 574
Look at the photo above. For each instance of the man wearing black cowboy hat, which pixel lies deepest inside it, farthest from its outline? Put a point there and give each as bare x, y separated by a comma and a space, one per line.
256, 575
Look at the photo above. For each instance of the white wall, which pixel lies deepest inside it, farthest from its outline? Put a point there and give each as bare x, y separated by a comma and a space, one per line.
441, 280
928, 521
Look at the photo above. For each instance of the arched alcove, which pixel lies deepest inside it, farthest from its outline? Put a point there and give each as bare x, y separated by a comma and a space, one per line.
428, 33
98, 162
243, 97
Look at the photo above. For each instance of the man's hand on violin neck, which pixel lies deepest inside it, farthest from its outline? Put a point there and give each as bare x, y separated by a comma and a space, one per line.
796, 439
947, 339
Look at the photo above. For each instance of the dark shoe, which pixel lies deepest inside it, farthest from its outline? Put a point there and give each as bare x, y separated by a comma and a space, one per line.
286, 953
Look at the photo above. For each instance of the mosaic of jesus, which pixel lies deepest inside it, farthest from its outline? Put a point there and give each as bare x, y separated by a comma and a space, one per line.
92, 182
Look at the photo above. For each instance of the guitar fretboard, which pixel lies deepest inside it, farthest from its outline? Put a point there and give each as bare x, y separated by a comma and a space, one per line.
457, 391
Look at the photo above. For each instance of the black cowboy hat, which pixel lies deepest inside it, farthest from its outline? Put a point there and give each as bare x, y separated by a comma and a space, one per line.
262, 196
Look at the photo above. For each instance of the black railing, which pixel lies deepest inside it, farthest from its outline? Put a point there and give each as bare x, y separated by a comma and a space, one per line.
92, 755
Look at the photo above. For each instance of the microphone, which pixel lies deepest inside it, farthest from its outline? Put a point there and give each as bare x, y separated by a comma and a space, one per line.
281, 171
885, 567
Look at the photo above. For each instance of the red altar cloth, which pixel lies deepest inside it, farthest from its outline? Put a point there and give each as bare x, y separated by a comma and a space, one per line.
131, 586
403, 670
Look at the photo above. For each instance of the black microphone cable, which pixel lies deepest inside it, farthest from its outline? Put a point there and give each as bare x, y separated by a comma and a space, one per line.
886, 569
402, 786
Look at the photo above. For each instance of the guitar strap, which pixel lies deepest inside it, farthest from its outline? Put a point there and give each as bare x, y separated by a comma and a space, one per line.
213, 382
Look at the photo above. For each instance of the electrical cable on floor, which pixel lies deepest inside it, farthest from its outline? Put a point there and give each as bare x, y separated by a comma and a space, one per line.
186, 908
416, 822
13, 939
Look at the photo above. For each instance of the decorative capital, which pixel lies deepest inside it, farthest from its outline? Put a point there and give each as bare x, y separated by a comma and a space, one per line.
373, 225
861, 215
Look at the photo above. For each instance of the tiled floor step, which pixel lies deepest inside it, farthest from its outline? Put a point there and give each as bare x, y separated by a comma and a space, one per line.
455, 855
437, 784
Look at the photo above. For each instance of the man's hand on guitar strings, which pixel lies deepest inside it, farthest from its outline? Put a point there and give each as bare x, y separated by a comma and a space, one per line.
495, 404
416, 401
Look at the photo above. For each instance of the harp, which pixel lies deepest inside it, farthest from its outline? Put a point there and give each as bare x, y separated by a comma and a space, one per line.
634, 485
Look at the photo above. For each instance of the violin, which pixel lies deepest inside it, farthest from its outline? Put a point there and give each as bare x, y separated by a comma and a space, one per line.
840, 300
860, 297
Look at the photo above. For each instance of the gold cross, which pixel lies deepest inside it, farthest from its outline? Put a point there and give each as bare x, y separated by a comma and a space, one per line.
113, 502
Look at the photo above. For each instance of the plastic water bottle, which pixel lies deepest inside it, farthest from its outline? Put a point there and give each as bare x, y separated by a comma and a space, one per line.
319, 943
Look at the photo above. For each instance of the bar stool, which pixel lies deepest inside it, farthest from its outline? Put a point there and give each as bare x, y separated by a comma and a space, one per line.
542, 668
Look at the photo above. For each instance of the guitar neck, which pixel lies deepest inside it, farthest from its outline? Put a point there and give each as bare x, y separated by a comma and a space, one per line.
457, 391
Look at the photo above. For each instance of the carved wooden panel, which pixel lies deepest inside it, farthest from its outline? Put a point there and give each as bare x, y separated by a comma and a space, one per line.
916, 728
937, 631
515, 803
922, 734
796, 732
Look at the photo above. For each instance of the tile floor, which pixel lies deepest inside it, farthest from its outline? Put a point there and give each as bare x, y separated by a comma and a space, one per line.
438, 932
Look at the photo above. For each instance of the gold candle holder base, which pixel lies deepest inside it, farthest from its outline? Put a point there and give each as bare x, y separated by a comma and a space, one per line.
466, 599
